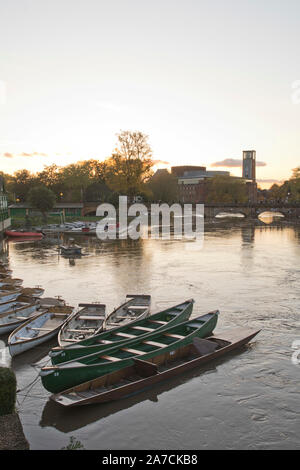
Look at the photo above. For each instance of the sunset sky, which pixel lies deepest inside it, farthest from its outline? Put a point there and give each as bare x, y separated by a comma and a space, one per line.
204, 79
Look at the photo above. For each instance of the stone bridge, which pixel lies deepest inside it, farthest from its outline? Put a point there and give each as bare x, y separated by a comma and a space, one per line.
253, 210
211, 210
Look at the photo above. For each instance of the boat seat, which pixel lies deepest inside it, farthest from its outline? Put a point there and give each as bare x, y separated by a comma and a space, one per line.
91, 317
142, 328
90, 330
110, 358
137, 307
159, 321
154, 343
22, 338
70, 340
173, 336
113, 323
134, 351
38, 329
123, 317
126, 335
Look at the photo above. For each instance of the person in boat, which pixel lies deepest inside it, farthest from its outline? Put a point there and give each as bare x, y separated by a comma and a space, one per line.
106, 227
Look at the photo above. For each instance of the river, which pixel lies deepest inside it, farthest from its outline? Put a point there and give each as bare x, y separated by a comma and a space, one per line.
248, 400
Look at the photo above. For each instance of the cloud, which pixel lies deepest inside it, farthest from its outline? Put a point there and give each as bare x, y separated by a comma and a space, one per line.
269, 181
234, 163
25, 154
161, 162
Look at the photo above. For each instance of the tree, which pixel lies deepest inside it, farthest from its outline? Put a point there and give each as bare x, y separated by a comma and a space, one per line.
129, 167
21, 184
42, 199
225, 189
164, 186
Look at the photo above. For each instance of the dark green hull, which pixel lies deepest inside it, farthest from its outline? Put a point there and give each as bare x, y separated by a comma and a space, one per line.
58, 378
172, 316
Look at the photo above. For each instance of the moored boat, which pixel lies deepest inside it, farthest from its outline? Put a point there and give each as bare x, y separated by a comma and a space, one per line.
10, 281
18, 313
83, 323
137, 329
9, 294
59, 377
136, 307
19, 233
32, 291
144, 374
37, 330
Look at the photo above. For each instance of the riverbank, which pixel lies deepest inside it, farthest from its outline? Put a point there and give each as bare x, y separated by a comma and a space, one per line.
11, 433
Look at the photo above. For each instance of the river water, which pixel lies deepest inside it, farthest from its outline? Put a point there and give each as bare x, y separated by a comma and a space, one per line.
248, 400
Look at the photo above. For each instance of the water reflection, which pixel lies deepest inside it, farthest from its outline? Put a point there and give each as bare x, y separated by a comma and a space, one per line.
250, 271
270, 217
68, 420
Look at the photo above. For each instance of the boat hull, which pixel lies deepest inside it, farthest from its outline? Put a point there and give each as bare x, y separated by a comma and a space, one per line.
68, 374
11, 326
97, 342
85, 394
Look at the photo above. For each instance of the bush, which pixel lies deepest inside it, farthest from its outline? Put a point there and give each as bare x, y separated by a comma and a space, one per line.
8, 390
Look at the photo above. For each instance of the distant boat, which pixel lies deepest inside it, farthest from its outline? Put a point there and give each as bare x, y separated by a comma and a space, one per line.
37, 330
16, 233
144, 374
68, 374
71, 248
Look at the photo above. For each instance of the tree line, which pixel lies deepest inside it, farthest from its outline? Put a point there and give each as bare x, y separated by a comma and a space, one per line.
128, 171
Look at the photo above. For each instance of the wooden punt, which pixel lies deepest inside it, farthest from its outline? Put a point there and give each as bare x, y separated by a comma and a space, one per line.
71, 373
83, 323
16, 314
120, 335
145, 374
38, 329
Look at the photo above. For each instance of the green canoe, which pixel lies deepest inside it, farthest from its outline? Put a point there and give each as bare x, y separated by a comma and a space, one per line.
68, 374
121, 335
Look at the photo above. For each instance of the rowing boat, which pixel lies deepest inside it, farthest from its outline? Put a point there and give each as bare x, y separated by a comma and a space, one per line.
85, 322
9, 294
16, 314
10, 281
136, 307
120, 335
17, 234
38, 329
68, 374
144, 374
32, 291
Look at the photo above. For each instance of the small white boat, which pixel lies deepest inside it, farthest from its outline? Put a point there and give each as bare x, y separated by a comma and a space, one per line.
85, 322
38, 330
17, 314
5, 272
136, 307
46, 302
32, 291
8, 280
9, 294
